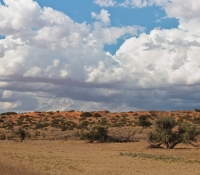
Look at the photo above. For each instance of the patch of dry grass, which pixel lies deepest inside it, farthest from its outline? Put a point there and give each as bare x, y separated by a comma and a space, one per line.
8, 168
78, 157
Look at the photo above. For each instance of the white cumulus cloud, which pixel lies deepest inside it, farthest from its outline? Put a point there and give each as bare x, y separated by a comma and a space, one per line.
50, 62
105, 3
104, 16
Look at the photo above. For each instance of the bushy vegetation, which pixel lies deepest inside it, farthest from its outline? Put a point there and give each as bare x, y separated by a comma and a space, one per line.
144, 122
97, 115
179, 131
97, 133
9, 113
86, 114
197, 109
2, 136
168, 132
10, 124
41, 125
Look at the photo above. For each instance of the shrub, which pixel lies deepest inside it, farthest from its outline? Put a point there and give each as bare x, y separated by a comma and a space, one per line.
29, 120
153, 112
118, 125
10, 137
197, 109
40, 114
10, 124
2, 136
81, 127
144, 122
50, 113
37, 111
180, 120
164, 133
196, 120
86, 114
55, 121
25, 126
84, 123
187, 117
103, 121
40, 125
9, 113
97, 133
124, 115
19, 122
64, 128
68, 126
97, 115
135, 114
106, 111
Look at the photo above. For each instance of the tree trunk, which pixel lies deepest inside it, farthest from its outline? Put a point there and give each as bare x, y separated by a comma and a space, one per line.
173, 145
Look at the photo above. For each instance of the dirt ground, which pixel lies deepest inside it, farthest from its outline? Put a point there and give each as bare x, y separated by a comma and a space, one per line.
78, 157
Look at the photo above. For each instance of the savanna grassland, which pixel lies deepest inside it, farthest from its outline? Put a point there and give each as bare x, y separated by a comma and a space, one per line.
78, 157
53, 144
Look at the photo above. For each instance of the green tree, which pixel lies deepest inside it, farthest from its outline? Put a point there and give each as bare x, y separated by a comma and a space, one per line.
168, 132
97, 133
143, 121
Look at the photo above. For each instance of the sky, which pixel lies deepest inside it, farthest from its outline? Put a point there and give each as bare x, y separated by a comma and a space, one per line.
90, 55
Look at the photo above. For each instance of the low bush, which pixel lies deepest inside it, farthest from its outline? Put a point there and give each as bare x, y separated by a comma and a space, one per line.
106, 111
85, 123
135, 114
143, 121
187, 118
10, 124
197, 109
103, 121
2, 136
42, 115
9, 113
97, 115
86, 114
55, 123
40, 125
64, 128
50, 113
97, 133
196, 120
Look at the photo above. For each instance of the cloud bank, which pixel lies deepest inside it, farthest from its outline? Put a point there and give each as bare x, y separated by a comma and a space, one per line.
50, 62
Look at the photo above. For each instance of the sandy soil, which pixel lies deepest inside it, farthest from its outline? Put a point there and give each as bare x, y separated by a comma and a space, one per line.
78, 157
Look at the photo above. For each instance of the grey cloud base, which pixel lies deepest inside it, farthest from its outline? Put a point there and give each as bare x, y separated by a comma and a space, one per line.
50, 62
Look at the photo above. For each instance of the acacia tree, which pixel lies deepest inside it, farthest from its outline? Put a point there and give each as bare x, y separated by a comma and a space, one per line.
168, 132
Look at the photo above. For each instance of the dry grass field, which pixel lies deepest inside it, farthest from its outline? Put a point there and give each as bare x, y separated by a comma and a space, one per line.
53, 145
77, 157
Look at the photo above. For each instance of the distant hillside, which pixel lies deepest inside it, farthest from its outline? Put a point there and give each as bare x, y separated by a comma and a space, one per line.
69, 124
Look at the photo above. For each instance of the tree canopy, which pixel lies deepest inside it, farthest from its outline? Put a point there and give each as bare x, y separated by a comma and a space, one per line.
168, 132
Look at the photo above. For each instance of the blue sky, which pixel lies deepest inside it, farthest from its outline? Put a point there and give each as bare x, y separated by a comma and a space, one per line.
146, 17
99, 55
